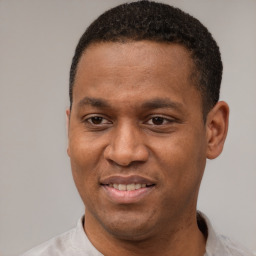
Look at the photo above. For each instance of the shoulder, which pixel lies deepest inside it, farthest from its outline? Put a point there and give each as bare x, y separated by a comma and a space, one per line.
70, 243
59, 245
221, 245
230, 247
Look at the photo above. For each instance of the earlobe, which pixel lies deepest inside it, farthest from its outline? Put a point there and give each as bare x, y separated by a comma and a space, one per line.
217, 127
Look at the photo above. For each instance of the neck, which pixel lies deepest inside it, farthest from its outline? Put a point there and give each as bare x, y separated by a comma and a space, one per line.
187, 239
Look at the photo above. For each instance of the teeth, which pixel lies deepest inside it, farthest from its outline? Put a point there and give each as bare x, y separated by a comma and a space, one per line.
122, 187
128, 187
137, 186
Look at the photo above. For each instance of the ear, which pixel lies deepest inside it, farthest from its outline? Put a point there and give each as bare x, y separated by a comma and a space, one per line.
217, 128
67, 127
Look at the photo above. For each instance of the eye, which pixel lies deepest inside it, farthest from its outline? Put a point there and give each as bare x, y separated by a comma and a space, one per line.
158, 120
97, 120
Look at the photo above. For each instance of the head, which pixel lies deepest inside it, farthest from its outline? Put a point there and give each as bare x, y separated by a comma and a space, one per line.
144, 117
157, 22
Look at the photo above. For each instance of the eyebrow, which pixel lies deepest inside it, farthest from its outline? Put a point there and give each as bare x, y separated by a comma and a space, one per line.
155, 103
161, 103
94, 102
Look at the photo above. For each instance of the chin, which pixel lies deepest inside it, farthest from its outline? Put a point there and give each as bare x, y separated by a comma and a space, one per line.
130, 228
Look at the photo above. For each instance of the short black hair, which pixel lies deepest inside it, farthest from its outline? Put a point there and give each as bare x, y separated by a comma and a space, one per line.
158, 22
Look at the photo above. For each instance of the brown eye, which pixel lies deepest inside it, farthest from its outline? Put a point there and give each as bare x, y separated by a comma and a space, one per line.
96, 120
158, 120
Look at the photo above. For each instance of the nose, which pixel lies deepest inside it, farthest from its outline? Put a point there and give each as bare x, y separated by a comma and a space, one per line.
126, 146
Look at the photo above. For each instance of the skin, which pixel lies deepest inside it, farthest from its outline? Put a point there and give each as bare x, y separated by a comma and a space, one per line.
136, 113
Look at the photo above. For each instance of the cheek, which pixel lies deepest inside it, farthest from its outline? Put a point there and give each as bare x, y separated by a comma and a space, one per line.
85, 175
84, 150
182, 157
182, 168
84, 157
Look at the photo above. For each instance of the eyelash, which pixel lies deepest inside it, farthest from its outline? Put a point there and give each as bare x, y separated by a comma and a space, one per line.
162, 119
89, 120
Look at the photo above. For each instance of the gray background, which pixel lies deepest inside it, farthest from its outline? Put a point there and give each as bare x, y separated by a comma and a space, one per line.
38, 199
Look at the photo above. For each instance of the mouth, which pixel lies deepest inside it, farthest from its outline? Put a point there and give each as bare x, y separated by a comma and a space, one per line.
128, 187
127, 190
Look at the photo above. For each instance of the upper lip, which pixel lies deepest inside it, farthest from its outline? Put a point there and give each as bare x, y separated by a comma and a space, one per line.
117, 179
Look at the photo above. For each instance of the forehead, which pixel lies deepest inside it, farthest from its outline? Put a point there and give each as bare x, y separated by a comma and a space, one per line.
145, 67
137, 53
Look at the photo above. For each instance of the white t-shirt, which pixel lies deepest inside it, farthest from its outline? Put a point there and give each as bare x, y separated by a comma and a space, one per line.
76, 243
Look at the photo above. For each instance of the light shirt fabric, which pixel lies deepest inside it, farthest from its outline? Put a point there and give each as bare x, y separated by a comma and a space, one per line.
76, 243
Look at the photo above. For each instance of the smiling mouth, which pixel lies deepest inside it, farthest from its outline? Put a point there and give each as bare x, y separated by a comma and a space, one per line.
128, 187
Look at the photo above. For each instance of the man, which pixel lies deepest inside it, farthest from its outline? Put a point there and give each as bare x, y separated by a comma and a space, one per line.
144, 116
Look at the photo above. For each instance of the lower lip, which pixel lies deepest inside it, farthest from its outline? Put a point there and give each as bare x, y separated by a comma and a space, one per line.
126, 197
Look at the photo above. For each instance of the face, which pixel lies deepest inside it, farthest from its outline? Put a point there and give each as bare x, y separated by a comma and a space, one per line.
137, 140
